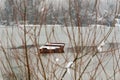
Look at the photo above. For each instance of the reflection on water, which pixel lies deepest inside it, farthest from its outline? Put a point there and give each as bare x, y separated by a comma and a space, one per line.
22, 46
88, 49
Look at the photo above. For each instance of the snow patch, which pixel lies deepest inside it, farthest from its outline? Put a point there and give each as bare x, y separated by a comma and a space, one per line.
49, 47
69, 64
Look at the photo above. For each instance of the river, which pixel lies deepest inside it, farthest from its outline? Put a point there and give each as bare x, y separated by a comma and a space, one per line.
13, 37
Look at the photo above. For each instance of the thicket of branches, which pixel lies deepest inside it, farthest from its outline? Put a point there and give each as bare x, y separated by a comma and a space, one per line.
22, 61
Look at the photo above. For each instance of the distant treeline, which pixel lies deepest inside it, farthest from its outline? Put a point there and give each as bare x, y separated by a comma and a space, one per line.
76, 13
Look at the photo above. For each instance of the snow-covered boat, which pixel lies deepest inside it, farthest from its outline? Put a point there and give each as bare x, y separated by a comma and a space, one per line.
52, 48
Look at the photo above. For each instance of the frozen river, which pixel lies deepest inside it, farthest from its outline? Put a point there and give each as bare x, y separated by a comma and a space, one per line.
102, 66
57, 33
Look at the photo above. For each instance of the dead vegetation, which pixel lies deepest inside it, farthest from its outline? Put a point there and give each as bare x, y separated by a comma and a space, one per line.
85, 57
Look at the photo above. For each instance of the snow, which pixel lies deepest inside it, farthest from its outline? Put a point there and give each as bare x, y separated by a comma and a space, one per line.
68, 68
49, 47
28, 25
102, 43
69, 64
57, 59
100, 49
117, 23
100, 46
59, 44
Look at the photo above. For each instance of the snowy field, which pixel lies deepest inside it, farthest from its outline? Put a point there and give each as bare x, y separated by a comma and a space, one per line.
13, 36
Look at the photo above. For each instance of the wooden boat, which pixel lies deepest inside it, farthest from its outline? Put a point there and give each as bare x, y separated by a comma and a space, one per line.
52, 48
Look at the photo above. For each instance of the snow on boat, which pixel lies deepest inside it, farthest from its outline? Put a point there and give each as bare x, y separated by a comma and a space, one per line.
61, 45
52, 48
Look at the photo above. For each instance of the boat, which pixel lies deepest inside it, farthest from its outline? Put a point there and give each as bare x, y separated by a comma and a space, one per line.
52, 48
